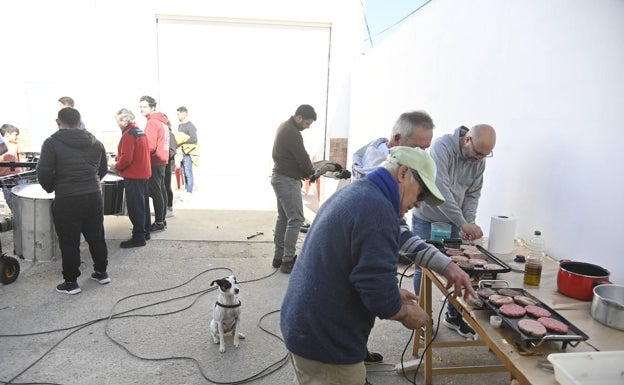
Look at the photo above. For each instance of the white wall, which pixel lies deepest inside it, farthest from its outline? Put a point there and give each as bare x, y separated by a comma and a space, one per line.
548, 76
103, 53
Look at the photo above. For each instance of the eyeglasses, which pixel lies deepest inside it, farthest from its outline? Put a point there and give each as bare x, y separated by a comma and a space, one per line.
477, 153
425, 193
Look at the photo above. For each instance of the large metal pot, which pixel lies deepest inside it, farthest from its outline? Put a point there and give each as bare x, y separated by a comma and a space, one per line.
608, 305
578, 279
34, 236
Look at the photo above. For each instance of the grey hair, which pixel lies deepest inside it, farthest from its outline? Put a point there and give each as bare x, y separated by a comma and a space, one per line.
406, 123
126, 115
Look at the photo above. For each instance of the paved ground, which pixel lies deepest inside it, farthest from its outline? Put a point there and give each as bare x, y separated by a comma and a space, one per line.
150, 324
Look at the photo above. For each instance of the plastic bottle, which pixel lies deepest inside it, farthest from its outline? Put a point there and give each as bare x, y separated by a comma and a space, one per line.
533, 264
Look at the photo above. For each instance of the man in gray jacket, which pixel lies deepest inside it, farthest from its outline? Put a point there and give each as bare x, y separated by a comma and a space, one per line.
460, 159
72, 164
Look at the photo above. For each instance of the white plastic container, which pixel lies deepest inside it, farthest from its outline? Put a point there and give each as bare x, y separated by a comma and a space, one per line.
589, 368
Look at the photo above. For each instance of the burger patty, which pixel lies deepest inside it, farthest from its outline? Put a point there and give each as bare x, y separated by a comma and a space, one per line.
524, 301
500, 300
474, 254
450, 252
464, 265
554, 325
531, 327
485, 292
536, 311
492, 266
512, 310
509, 292
459, 258
477, 262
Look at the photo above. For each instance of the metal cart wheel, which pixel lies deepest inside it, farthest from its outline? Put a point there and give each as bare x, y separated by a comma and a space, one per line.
9, 269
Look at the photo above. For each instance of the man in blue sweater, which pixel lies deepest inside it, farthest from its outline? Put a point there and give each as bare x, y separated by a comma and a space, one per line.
345, 275
412, 129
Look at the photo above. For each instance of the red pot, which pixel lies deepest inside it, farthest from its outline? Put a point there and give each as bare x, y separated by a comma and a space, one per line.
578, 279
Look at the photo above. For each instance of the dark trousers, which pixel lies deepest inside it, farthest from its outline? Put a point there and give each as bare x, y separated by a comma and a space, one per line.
137, 203
80, 214
158, 192
168, 183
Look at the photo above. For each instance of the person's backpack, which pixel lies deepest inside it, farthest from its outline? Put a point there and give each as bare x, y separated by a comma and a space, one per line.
173, 145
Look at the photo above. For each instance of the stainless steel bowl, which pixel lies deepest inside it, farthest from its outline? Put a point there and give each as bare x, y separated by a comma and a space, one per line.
608, 305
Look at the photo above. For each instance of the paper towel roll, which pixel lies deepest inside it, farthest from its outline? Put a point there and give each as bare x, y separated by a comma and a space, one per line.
502, 234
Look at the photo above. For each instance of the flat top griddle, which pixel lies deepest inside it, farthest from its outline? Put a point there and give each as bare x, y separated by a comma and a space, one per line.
573, 337
475, 271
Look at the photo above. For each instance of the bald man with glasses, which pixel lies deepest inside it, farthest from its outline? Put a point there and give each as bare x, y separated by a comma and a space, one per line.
460, 160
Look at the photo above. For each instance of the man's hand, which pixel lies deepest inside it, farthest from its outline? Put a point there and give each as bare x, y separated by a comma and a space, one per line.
411, 315
408, 297
458, 279
471, 232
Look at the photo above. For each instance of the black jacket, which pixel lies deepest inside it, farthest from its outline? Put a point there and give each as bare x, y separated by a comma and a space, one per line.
72, 162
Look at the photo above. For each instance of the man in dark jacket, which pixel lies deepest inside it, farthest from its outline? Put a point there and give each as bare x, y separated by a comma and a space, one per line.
133, 163
72, 164
291, 164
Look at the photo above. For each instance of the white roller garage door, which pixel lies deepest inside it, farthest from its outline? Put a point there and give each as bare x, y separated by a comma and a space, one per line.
240, 79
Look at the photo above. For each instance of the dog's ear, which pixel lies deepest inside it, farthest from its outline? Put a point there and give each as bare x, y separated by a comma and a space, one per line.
215, 281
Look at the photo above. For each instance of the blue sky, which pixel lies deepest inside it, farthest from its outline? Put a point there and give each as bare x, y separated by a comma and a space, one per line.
382, 17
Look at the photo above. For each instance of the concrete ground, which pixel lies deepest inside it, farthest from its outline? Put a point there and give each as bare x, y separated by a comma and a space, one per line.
150, 324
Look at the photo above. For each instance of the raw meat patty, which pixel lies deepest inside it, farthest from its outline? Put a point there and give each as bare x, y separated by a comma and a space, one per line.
536, 311
512, 310
464, 265
524, 301
553, 325
499, 300
459, 258
492, 266
477, 261
474, 254
531, 327
509, 292
449, 251
485, 292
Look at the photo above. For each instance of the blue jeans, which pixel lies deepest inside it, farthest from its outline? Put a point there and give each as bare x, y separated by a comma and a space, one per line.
8, 198
423, 229
289, 215
187, 167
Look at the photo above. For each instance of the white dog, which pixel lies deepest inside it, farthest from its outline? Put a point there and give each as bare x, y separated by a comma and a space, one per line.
226, 313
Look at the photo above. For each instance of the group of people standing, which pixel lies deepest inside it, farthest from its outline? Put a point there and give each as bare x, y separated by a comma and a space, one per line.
72, 164
348, 262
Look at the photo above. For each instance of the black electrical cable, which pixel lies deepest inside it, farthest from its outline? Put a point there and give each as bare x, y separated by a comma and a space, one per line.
254, 377
270, 369
437, 328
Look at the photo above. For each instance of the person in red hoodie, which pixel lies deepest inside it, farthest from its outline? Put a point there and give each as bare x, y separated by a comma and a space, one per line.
157, 131
133, 164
